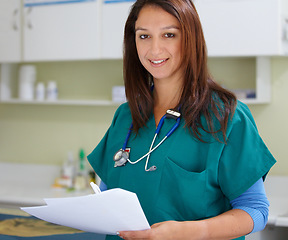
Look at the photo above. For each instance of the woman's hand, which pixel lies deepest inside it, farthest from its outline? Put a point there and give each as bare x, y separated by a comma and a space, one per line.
159, 231
164, 230
228, 225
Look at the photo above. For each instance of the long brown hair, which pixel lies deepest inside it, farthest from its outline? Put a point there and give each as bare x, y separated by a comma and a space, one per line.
200, 96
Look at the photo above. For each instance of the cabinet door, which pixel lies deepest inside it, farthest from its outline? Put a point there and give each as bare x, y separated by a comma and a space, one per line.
114, 15
242, 27
10, 32
61, 30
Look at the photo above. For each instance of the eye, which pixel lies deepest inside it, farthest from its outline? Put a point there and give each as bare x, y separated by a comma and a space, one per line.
144, 36
169, 35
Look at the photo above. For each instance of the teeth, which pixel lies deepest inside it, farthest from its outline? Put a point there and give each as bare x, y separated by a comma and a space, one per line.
157, 62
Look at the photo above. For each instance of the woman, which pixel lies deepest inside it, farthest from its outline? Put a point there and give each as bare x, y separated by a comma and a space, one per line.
203, 181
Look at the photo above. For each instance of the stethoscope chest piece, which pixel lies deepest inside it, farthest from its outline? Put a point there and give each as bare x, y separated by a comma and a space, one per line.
120, 158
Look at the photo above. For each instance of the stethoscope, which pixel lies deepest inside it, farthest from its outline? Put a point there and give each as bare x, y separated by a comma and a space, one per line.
121, 157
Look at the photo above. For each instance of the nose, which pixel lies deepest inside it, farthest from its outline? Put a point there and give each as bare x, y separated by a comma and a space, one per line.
156, 46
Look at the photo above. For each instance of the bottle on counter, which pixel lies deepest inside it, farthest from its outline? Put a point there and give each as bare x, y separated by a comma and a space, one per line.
68, 172
81, 180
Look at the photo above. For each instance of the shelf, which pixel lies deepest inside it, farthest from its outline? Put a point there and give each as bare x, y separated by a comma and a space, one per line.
106, 103
263, 82
253, 101
63, 102
262, 91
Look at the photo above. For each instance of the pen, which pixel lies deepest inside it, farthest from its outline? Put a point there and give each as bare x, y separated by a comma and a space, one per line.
95, 188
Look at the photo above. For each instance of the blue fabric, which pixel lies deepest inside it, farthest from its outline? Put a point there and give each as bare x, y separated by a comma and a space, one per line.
103, 186
255, 203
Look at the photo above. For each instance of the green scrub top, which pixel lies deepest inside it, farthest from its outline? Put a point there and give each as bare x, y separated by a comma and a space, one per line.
194, 180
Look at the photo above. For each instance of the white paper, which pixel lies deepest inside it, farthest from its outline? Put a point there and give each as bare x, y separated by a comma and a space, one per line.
107, 212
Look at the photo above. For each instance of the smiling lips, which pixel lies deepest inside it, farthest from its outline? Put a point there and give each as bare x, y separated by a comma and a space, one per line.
158, 62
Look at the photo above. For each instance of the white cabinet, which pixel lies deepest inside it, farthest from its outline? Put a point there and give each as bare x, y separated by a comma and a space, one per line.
114, 15
231, 27
245, 27
10, 31
83, 30
61, 31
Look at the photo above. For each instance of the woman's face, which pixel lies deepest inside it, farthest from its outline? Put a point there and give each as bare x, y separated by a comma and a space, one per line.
158, 42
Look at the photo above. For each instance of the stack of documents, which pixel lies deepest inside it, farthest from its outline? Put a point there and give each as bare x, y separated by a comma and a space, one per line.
106, 212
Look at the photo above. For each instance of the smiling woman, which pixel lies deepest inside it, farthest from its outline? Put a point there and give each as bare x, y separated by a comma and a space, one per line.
210, 170
158, 43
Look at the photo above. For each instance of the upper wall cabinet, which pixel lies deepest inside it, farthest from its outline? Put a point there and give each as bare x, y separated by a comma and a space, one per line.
53, 30
244, 27
10, 30
61, 30
114, 15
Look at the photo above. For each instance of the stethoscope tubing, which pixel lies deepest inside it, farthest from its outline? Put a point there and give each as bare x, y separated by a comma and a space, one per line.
151, 149
155, 136
127, 137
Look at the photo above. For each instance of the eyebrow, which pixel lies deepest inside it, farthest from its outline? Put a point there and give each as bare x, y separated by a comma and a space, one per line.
164, 28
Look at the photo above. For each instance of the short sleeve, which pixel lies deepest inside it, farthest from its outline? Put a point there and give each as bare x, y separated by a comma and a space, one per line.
245, 157
98, 157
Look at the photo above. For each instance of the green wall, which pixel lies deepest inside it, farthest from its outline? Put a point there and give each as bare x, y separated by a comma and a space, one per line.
45, 133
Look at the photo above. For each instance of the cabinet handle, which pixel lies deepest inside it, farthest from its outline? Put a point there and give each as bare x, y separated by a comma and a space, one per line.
29, 22
285, 29
15, 22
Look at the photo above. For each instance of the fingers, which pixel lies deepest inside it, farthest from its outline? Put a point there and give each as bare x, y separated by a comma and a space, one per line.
130, 235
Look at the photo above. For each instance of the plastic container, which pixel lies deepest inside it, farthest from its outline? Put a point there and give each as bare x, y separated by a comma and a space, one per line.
52, 91
118, 94
27, 78
40, 91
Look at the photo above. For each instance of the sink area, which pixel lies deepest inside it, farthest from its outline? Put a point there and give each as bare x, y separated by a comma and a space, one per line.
27, 184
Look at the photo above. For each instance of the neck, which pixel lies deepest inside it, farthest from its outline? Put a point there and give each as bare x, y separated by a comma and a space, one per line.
165, 97
167, 93
167, 101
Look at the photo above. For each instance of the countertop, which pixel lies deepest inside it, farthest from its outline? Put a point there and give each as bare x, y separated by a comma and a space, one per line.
28, 184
